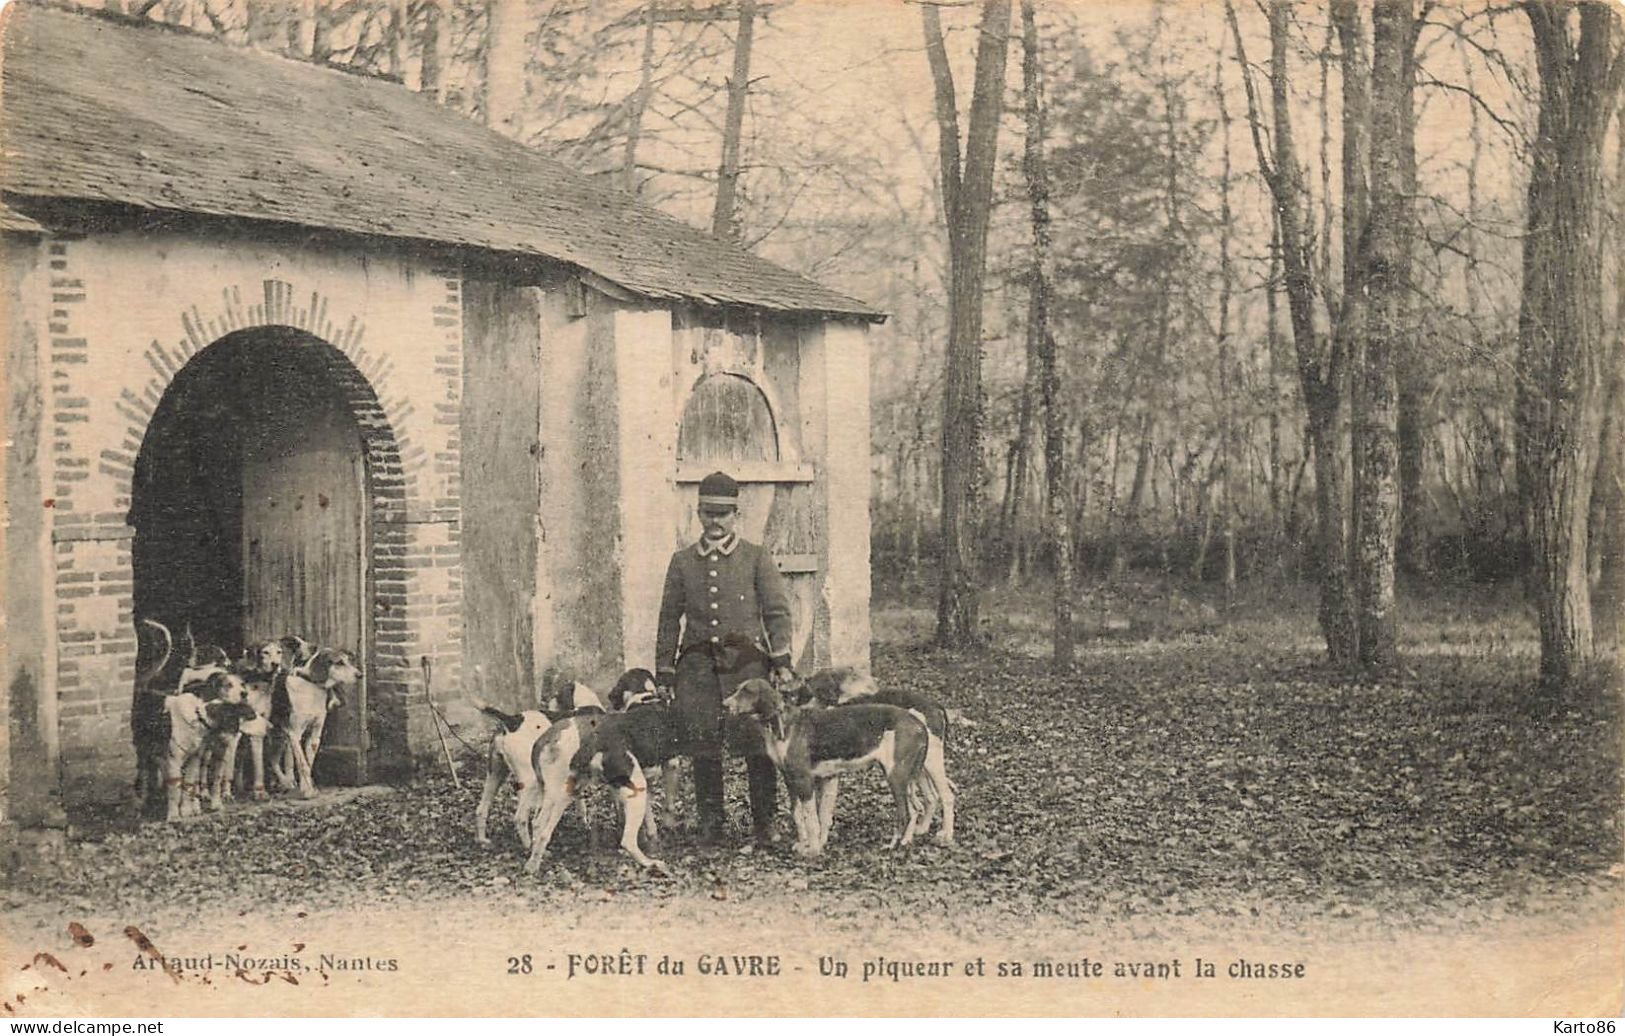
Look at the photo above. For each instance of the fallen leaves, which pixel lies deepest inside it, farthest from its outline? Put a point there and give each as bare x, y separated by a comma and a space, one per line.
1199, 773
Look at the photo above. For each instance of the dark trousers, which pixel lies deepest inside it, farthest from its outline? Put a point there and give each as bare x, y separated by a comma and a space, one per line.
706, 733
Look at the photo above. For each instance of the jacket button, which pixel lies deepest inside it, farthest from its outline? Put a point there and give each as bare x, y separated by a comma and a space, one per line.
712, 572
713, 622
713, 605
713, 589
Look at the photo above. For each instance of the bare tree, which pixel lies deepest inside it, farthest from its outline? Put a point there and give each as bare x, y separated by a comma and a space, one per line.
1322, 368
725, 216
1041, 343
967, 194
1560, 322
505, 56
1384, 268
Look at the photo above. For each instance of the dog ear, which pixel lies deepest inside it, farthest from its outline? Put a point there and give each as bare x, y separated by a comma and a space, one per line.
320, 666
214, 688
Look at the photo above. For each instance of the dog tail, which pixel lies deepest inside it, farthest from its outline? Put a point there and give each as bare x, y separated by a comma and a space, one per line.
958, 718
510, 721
145, 676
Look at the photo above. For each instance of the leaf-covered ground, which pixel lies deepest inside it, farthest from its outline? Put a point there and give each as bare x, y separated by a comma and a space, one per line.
1185, 766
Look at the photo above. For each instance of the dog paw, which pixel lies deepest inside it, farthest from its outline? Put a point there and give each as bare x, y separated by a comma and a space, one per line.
659, 867
260, 795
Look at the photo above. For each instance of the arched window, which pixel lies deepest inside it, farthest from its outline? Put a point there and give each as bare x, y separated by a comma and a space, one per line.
727, 419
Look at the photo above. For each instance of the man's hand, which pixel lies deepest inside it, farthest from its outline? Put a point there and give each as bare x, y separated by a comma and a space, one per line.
782, 675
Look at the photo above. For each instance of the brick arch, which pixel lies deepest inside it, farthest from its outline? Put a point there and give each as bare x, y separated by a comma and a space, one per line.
366, 380
390, 488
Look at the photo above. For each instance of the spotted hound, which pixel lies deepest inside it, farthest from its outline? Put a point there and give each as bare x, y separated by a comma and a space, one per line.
845, 686
199, 724
581, 750
300, 701
811, 747
509, 757
150, 725
650, 725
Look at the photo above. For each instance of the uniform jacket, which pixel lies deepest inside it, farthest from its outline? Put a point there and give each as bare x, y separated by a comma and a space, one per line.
734, 588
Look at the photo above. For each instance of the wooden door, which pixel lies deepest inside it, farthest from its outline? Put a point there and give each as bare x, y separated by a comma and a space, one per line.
305, 550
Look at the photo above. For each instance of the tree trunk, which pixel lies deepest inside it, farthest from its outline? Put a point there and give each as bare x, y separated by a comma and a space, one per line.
1560, 323
1322, 372
431, 70
504, 65
725, 215
398, 36
1021, 448
1608, 491
1412, 371
640, 105
1350, 317
967, 201
1042, 344
1272, 332
1385, 264
1228, 444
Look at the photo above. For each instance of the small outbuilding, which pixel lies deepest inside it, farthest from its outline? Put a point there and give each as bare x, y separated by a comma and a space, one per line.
289, 348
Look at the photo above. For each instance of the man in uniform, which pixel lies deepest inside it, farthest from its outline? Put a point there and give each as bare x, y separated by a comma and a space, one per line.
720, 585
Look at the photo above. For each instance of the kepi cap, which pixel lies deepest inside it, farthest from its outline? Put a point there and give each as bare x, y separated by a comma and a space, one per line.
718, 489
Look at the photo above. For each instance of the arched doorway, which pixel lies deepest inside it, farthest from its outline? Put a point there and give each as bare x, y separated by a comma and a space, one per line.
251, 506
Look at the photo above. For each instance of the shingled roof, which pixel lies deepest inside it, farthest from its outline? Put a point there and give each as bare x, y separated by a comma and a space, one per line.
103, 110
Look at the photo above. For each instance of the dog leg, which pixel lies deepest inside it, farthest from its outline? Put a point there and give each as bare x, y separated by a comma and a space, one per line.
668, 795
651, 827
827, 790
312, 747
209, 767
526, 801
256, 766
226, 772
936, 769
174, 773
191, 797
907, 818
634, 798
301, 769
281, 758
804, 811
495, 770
585, 810
555, 800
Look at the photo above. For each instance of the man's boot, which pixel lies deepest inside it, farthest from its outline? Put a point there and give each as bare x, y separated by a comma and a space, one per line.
708, 799
764, 795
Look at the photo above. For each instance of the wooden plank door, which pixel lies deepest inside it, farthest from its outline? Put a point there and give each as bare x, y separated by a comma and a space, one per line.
305, 550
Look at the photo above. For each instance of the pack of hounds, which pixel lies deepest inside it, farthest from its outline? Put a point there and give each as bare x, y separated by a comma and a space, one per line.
816, 728
192, 710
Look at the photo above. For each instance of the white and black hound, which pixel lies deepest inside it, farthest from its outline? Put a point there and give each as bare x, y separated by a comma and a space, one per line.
510, 758
811, 747
300, 702
846, 686
575, 752
650, 725
200, 725
150, 724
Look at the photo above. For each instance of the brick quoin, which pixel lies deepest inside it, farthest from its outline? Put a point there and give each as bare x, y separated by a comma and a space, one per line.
413, 490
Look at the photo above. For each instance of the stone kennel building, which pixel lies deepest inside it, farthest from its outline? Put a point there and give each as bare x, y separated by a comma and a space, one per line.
294, 349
